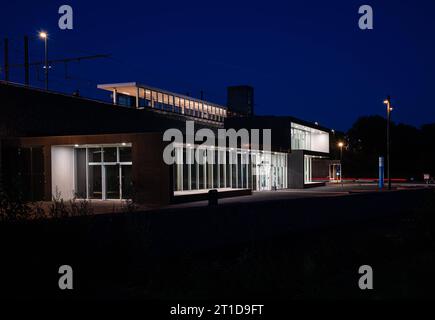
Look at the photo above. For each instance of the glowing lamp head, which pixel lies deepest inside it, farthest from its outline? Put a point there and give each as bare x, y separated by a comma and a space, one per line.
341, 144
43, 35
386, 102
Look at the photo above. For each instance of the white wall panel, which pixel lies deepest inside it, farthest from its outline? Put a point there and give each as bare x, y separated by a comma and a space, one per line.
62, 171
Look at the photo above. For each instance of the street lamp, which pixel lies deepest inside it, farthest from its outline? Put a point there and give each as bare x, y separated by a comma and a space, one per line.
43, 35
340, 145
387, 102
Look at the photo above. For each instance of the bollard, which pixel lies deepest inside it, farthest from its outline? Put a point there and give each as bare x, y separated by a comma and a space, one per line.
213, 197
381, 173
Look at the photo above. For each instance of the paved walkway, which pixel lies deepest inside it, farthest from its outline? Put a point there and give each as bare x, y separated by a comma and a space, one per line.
330, 190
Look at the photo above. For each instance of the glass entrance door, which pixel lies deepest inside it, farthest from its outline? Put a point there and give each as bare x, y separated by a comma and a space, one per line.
95, 182
263, 177
118, 182
104, 172
113, 186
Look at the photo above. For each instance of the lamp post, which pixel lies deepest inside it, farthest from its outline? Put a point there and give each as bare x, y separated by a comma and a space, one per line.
387, 102
340, 145
43, 35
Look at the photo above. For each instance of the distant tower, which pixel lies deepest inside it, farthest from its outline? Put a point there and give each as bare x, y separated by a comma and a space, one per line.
240, 101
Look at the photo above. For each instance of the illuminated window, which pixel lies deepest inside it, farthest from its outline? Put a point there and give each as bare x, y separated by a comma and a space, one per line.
256, 170
307, 138
215, 113
192, 107
188, 107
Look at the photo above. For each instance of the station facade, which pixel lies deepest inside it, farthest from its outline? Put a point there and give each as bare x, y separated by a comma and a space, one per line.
120, 156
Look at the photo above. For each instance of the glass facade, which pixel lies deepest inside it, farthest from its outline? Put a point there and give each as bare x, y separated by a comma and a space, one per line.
103, 172
166, 101
228, 168
308, 169
316, 170
270, 171
311, 139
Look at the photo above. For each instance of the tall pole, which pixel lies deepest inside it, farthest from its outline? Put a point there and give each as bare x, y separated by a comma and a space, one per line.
388, 103
46, 62
26, 60
6, 57
341, 164
340, 145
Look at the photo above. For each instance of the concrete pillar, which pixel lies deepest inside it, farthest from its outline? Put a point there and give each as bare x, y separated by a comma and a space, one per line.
114, 96
137, 97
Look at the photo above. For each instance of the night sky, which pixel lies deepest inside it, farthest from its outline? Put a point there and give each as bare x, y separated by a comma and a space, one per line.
306, 58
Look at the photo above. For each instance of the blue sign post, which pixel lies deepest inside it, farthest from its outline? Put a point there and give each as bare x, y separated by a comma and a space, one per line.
381, 172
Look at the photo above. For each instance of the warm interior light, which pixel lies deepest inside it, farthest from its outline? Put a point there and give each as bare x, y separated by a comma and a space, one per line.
76, 145
124, 144
43, 35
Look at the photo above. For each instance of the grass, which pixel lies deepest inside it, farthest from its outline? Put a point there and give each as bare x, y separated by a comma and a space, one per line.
124, 256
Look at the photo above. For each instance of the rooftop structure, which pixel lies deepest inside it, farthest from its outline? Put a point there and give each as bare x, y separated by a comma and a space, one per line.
141, 96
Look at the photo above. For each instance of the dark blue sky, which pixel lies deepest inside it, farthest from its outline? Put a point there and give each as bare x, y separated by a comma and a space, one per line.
306, 58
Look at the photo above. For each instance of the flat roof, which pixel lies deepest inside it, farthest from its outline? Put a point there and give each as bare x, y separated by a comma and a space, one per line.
262, 121
129, 88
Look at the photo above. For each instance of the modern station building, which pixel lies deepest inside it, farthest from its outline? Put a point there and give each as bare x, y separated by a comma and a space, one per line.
55, 144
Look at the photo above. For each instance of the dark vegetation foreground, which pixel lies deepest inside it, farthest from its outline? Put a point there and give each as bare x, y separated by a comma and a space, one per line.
296, 249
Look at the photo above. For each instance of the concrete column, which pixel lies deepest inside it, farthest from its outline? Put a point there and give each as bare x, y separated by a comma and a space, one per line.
137, 97
114, 96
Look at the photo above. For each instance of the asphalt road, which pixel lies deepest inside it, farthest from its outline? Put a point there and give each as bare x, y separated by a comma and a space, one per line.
330, 190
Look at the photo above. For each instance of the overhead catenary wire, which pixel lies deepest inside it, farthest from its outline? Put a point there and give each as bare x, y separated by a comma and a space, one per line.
182, 87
